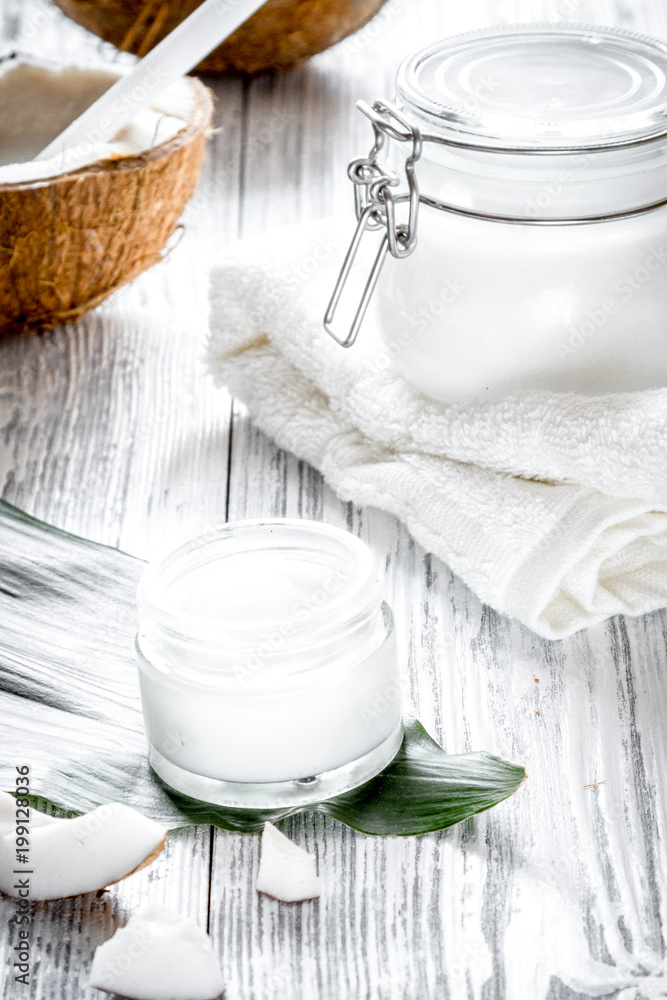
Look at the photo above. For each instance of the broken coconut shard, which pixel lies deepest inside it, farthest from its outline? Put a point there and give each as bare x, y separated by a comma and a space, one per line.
71, 856
158, 955
268, 666
286, 872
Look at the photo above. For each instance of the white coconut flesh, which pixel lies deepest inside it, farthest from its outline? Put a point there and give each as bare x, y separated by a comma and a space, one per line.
158, 955
38, 101
286, 871
67, 857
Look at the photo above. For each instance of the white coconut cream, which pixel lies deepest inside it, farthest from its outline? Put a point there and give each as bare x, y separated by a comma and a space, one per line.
267, 665
38, 101
540, 244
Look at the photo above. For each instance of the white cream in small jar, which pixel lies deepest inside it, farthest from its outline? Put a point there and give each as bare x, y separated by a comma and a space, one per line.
267, 665
535, 254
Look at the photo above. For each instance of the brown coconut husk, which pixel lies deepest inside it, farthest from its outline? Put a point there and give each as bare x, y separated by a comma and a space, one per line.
68, 242
279, 36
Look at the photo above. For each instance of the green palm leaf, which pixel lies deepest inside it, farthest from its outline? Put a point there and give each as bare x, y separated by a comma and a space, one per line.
70, 707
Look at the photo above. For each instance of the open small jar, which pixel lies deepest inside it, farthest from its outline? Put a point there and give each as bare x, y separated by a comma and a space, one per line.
267, 665
518, 193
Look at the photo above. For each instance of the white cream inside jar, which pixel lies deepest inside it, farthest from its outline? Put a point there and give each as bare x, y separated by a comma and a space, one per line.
38, 100
539, 251
267, 664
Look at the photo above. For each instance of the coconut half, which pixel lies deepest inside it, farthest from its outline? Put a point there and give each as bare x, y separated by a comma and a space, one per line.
76, 227
286, 871
67, 857
158, 955
280, 35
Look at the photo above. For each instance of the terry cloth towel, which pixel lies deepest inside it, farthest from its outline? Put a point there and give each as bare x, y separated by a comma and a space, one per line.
552, 507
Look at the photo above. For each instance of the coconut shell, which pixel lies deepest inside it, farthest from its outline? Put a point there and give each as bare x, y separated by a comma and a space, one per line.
68, 242
280, 35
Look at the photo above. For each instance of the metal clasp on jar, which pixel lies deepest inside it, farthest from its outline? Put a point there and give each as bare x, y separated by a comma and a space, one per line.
375, 203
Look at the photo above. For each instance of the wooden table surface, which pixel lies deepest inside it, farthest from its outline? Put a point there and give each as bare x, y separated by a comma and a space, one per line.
111, 428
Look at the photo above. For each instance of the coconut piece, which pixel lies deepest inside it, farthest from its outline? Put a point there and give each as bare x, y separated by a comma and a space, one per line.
280, 35
52, 96
158, 955
286, 871
9, 818
72, 856
80, 225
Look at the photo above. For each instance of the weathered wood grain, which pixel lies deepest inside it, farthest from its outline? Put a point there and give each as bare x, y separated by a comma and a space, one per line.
112, 429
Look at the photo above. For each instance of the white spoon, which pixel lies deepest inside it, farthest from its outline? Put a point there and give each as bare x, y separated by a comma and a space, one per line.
175, 56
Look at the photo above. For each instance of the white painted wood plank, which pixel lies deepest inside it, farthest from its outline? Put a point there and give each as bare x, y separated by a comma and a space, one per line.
557, 893
111, 429
66, 932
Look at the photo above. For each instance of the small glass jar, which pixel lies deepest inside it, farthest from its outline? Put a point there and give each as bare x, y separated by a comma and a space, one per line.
267, 665
529, 250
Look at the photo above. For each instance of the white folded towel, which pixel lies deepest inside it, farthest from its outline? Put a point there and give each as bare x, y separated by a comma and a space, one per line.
552, 507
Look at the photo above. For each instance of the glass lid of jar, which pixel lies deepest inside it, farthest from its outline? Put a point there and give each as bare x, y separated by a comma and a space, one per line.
537, 86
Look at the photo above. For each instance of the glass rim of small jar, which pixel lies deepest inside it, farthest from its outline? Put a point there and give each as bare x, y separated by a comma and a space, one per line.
430, 112
358, 600
285, 676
